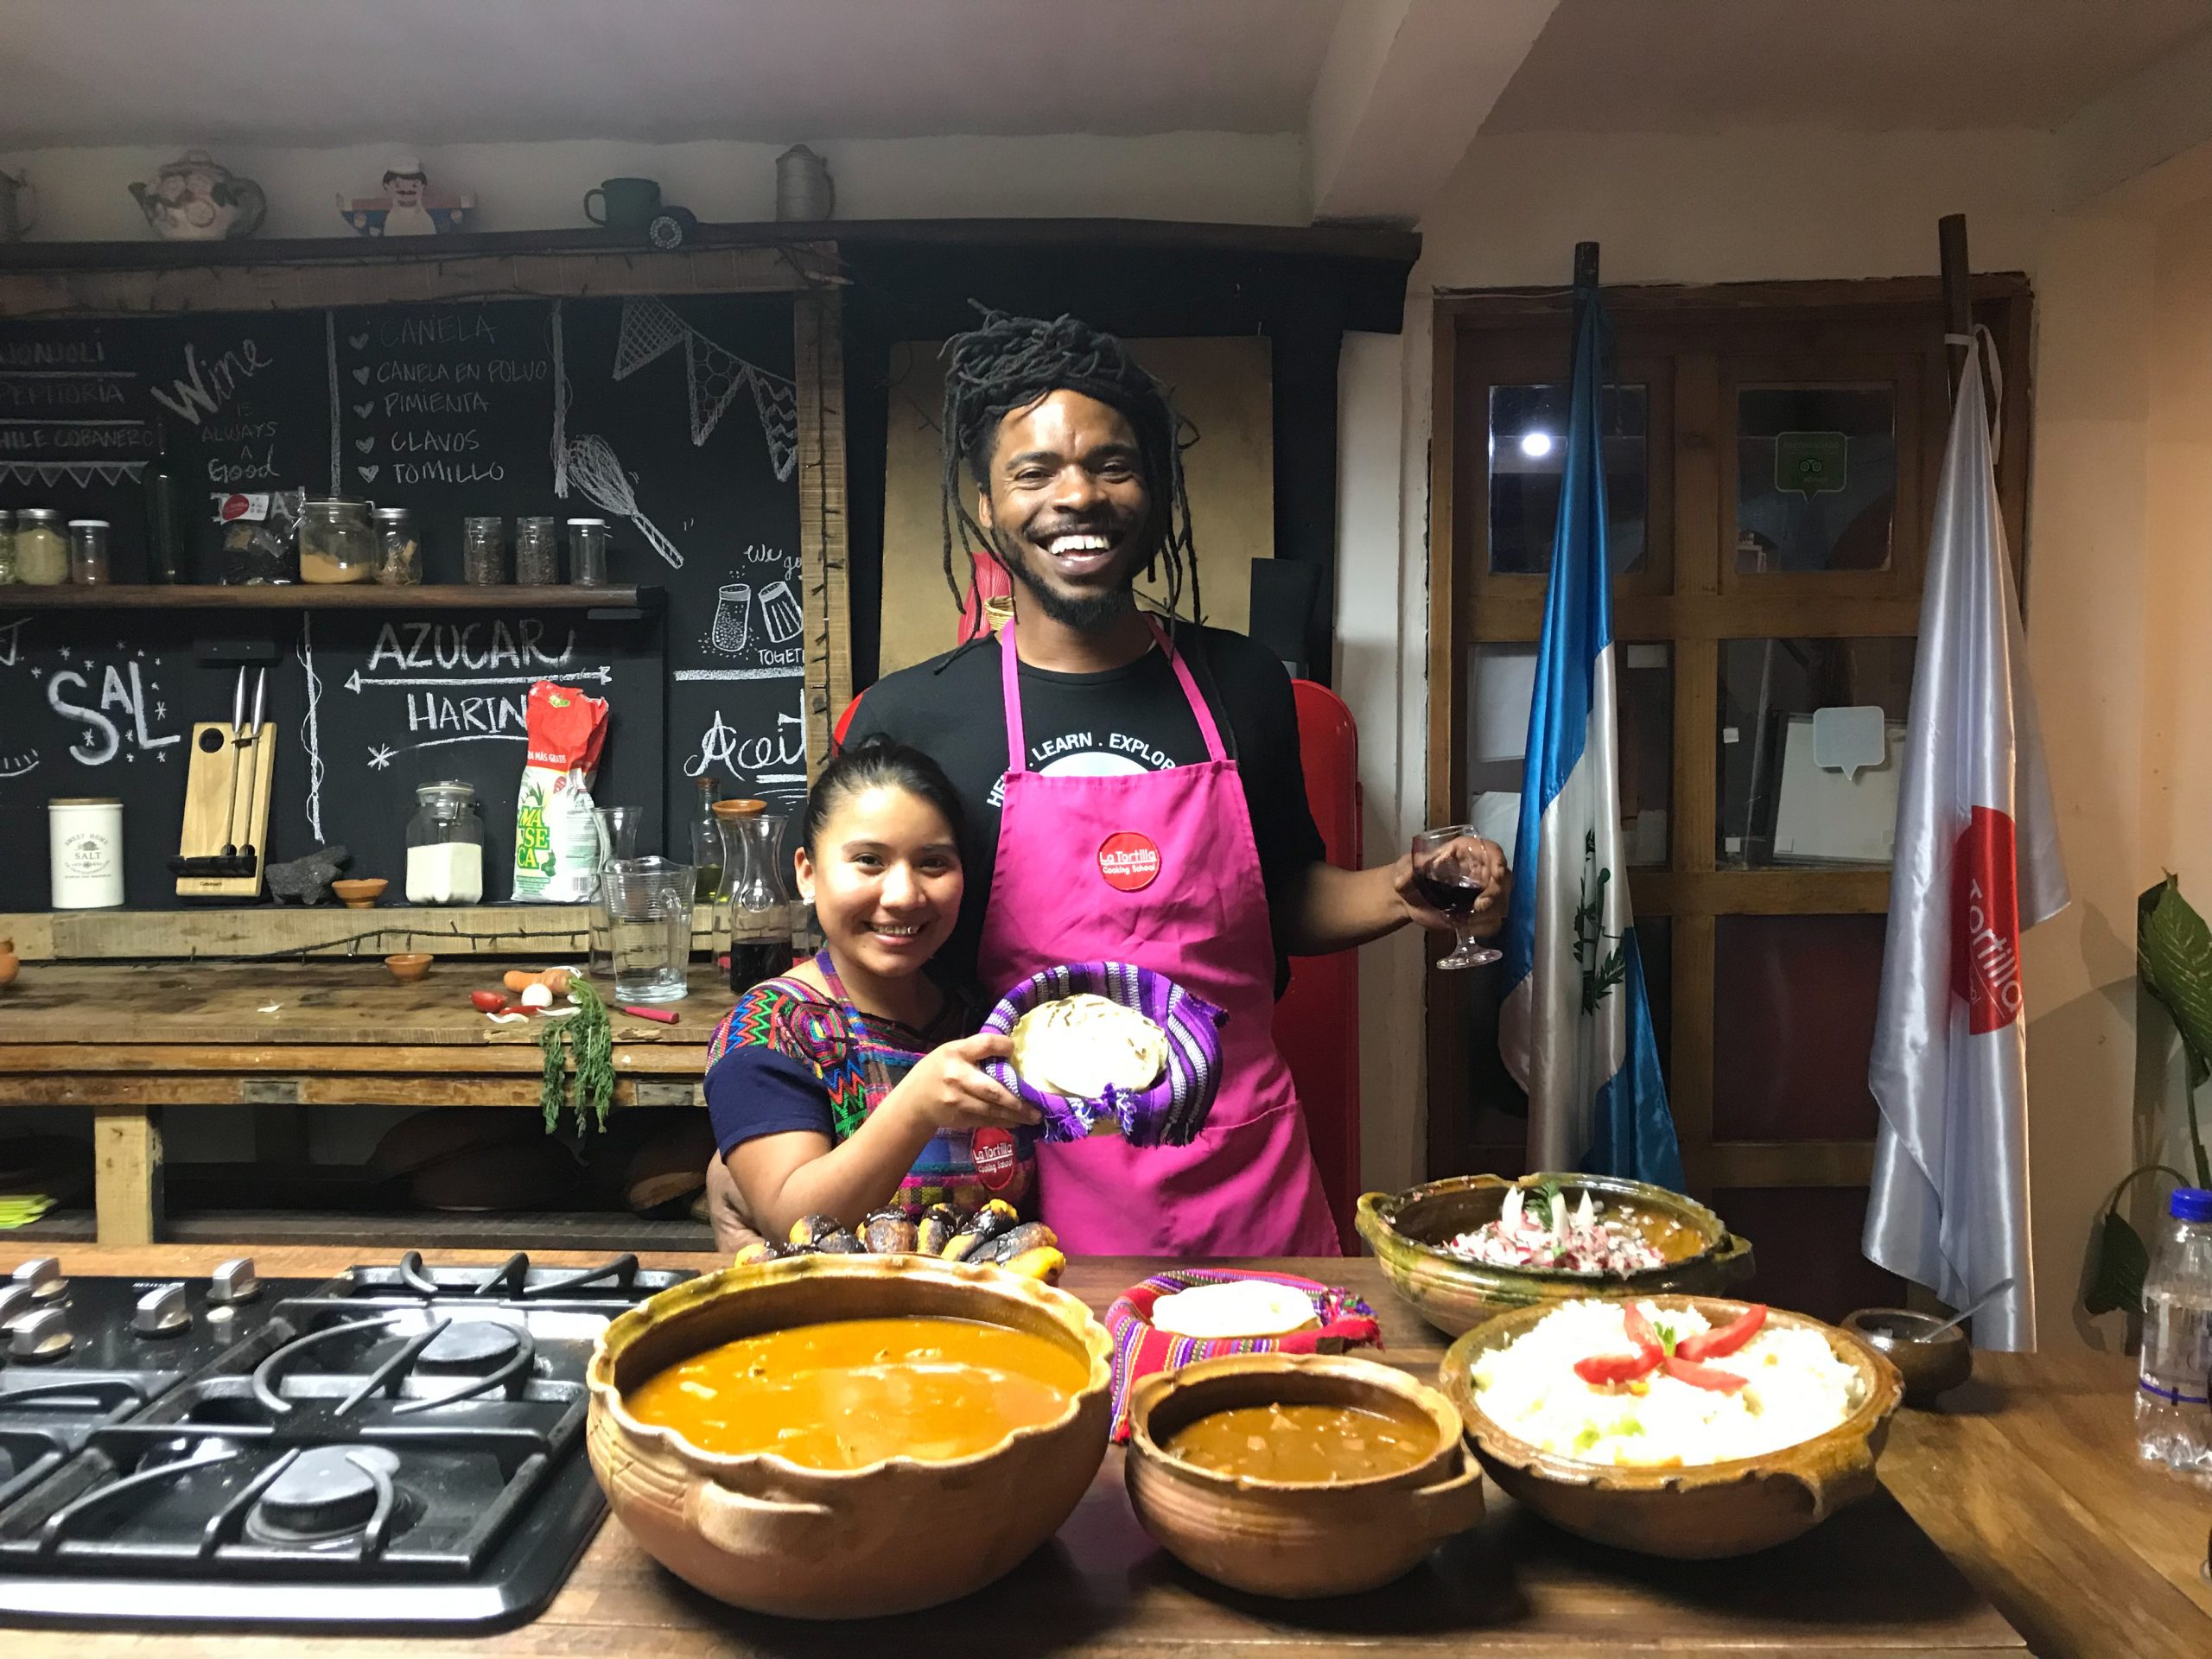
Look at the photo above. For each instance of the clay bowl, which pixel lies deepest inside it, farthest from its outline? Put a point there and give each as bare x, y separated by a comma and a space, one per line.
361, 892
409, 966
762, 1533
1930, 1366
1280, 1538
1406, 1229
1695, 1512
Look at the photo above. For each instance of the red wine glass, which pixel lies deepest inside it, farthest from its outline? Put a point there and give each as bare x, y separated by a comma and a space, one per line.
1448, 870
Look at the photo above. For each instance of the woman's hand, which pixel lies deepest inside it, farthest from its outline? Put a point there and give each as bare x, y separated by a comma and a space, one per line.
1473, 859
948, 1088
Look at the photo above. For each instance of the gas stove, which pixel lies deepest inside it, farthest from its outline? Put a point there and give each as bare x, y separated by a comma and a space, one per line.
396, 1448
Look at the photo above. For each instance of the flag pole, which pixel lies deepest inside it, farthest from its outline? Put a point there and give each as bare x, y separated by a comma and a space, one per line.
1958, 292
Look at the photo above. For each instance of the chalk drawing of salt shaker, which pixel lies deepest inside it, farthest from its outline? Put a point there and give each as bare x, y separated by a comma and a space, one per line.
781, 611
733, 618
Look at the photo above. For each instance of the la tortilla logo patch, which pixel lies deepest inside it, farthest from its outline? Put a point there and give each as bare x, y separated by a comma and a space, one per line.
992, 1151
1985, 921
1129, 861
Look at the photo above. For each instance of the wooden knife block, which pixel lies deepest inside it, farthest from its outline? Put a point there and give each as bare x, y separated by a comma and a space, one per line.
208, 796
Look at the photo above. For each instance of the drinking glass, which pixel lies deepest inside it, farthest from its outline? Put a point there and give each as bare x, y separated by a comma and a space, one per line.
1448, 876
648, 904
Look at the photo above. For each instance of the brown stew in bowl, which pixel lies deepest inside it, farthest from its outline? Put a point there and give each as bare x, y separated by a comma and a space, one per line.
1307, 1444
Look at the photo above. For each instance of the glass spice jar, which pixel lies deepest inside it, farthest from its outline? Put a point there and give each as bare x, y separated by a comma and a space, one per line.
537, 553
483, 551
445, 846
6, 547
336, 543
400, 551
88, 565
588, 552
41, 556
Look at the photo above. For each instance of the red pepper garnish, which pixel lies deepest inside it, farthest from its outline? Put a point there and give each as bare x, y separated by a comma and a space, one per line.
1718, 1344
1601, 1369
1641, 1333
1703, 1376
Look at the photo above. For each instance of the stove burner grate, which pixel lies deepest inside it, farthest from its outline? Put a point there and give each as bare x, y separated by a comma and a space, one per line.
505, 1353
511, 1279
327, 1496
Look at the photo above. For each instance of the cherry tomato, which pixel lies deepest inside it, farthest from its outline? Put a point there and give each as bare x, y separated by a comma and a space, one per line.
489, 1001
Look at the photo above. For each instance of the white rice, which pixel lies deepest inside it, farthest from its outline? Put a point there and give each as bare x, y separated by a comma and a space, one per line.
1796, 1388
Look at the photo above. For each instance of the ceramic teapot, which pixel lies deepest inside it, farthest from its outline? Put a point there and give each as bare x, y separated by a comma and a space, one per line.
194, 199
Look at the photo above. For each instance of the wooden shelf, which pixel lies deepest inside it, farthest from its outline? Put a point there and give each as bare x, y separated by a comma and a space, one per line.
326, 596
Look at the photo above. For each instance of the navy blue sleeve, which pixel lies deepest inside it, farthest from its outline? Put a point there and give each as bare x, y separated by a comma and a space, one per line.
754, 1090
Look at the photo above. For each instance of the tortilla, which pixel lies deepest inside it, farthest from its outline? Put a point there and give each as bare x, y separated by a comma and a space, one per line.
1242, 1308
1084, 1044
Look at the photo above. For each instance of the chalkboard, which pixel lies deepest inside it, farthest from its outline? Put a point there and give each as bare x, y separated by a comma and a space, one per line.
675, 420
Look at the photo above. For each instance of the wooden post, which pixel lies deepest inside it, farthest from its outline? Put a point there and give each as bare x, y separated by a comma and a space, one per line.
1958, 290
127, 1174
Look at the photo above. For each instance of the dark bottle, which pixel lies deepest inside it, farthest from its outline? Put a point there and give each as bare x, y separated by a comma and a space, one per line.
165, 530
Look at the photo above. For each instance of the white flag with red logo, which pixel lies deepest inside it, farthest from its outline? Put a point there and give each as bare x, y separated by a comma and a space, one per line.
1977, 861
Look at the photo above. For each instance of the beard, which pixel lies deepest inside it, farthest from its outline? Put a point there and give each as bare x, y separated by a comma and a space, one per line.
1085, 609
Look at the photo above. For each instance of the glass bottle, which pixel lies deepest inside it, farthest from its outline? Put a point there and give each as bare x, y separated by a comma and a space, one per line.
537, 553
706, 844
6, 547
483, 551
445, 846
88, 552
399, 550
336, 543
41, 556
165, 527
755, 892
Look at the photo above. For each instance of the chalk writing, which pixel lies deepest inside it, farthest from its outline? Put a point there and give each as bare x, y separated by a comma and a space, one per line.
204, 389
102, 739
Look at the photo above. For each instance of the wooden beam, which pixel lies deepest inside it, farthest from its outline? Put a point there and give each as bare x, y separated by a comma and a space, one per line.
824, 548
1805, 299
1957, 278
127, 1174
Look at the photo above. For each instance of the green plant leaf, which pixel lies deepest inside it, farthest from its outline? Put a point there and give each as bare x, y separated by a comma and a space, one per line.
2173, 950
2122, 1265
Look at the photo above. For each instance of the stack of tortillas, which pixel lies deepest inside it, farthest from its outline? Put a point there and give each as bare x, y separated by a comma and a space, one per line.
1242, 1308
1083, 1046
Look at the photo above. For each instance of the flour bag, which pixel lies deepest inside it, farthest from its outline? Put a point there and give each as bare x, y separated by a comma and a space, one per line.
556, 838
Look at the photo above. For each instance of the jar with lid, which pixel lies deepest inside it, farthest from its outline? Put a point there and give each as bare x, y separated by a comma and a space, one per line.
400, 551
445, 846
336, 543
537, 553
6, 547
42, 555
483, 551
588, 552
88, 552
755, 892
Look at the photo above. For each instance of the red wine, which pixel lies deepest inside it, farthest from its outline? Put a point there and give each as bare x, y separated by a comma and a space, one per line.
1452, 897
752, 961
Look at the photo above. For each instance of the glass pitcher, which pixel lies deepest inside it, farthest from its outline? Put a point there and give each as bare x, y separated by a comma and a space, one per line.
755, 892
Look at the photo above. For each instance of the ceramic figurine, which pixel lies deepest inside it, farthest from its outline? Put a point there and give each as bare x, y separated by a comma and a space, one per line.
407, 207
195, 200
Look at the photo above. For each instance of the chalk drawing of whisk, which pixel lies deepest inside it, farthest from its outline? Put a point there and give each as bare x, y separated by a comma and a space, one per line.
595, 471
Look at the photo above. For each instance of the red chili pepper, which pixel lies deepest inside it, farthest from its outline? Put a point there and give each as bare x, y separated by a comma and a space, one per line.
1641, 1333
1601, 1369
1718, 1345
489, 1001
1703, 1376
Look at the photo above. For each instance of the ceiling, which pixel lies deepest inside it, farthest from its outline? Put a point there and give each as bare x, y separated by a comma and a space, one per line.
1706, 65
433, 72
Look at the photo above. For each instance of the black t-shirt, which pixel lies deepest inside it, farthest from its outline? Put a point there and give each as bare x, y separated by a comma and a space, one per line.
1125, 720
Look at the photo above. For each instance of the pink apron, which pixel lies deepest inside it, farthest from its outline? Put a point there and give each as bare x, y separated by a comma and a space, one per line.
1158, 868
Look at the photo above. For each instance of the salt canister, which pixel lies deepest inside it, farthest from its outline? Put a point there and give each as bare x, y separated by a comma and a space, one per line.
84, 849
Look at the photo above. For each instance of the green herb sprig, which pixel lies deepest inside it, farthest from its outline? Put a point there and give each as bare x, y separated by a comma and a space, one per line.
589, 1035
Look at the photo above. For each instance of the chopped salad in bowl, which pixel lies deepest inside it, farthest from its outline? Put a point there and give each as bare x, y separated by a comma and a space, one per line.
1635, 1385
1546, 1234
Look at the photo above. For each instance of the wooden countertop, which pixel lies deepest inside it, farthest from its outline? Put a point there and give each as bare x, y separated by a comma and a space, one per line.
112, 1007
2026, 1480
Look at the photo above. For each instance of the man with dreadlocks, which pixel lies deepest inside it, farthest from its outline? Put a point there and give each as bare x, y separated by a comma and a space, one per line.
1132, 790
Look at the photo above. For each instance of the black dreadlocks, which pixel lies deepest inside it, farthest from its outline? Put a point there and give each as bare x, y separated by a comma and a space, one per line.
1010, 363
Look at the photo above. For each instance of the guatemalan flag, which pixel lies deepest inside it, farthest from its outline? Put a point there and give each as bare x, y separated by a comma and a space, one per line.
1977, 861
1576, 1028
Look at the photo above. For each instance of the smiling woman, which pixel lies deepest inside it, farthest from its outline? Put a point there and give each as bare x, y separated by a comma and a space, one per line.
847, 1085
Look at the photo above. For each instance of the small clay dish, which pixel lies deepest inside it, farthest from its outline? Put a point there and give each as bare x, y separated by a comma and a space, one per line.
360, 892
1930, 1365
1295, 1539
409, 966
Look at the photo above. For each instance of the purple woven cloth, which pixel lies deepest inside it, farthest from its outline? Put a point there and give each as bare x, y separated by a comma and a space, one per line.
1172, 1111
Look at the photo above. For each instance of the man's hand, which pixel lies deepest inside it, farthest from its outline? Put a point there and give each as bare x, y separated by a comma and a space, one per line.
1470, 860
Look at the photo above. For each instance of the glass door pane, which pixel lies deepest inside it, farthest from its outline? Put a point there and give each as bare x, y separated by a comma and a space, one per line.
1816, 478
1527, 450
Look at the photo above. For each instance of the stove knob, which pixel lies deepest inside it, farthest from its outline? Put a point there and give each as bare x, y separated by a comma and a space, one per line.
161, 1312
42, 1335
16, 1300
234, 1281
44, 1277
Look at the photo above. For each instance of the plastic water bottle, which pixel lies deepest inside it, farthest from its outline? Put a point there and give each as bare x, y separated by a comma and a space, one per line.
2173, 1414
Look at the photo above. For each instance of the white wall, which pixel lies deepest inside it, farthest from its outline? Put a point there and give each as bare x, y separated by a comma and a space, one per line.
1801, 204
84, 193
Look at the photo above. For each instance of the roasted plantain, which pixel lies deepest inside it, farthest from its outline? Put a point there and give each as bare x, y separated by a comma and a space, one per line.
888, 1232
1041, 1262
935, 1228
812, 1230
987, 1223
842, 1241
1030, 1234
759, 1251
